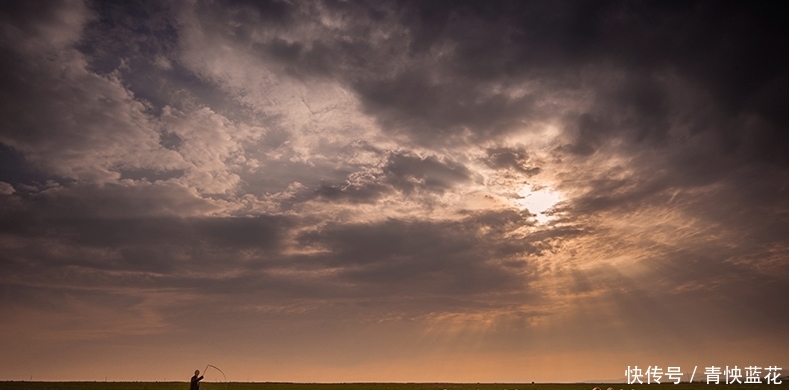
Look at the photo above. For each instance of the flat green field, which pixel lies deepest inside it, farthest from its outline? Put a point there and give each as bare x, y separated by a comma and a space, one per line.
368, 386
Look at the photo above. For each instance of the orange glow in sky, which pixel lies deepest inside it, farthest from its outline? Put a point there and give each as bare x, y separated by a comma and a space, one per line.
391, 191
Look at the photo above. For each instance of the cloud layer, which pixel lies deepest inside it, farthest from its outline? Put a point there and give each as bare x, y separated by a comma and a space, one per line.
353, 191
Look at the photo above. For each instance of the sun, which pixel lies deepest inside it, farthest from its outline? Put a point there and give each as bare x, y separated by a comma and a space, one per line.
538, 200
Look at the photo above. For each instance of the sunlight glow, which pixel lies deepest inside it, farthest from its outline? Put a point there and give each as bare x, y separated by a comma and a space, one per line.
538, 200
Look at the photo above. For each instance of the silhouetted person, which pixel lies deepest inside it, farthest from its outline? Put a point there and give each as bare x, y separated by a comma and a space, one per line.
195, 385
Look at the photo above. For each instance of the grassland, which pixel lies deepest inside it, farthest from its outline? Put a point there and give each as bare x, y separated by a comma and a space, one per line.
368, 386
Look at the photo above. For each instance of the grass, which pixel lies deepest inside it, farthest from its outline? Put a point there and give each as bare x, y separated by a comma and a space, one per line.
368, 386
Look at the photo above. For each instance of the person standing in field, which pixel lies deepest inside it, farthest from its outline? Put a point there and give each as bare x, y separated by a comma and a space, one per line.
195, 385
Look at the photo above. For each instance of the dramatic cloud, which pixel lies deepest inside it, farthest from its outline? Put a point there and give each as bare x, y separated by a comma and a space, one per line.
391, 191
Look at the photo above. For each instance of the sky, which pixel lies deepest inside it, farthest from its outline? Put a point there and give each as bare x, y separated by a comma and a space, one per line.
343, 191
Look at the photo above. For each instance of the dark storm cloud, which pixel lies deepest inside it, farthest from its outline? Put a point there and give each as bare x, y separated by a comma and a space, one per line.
15, 169
30, 16
150, 174
464, 257
416, 96
361, 192
451, 59
400, 172
634, 109
236, 233
438, 78
82, 230
266, 12
455, 55
46, 86
409, 102
161, 244
129, 31
138, 40
509, 158
408, 173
